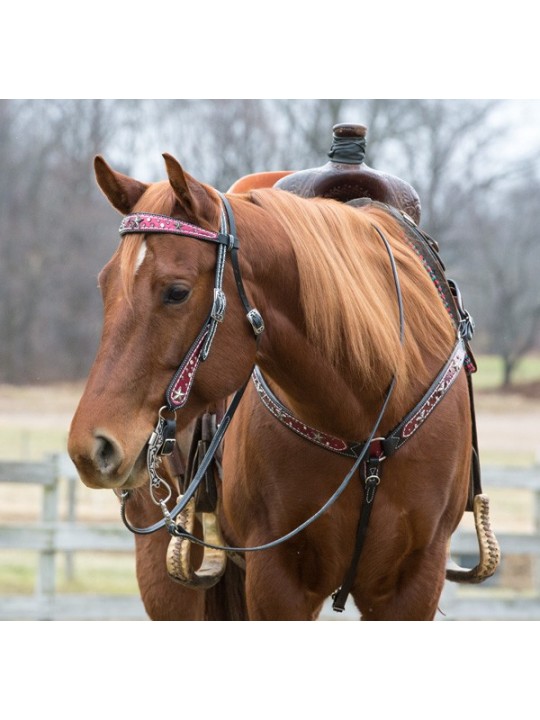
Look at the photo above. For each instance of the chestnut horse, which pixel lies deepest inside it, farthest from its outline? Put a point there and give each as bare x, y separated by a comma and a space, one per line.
320, 276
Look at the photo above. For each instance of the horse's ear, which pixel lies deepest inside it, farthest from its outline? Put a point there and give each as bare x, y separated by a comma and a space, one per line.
180, 185
122, 191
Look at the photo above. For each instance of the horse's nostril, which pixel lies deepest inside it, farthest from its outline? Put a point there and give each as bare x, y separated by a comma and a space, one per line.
107, 454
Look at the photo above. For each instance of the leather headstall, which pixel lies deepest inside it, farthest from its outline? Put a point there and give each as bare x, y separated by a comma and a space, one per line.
162, 440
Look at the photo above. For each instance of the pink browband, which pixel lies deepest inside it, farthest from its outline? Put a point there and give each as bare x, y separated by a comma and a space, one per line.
179, 388
143, 222
149, 222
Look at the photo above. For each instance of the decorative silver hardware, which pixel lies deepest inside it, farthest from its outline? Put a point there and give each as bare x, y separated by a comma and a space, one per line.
256, 321
219, 305
160, 444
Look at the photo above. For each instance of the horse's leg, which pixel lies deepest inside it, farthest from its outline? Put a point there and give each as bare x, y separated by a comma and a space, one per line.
273, 587
163, 598
274, 591
403, 566
411, 591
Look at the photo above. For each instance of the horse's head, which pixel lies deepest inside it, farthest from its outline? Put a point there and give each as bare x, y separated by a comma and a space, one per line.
157, 293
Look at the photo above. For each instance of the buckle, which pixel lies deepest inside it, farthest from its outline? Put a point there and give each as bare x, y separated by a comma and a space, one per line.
466, 321
168, 446
167, 431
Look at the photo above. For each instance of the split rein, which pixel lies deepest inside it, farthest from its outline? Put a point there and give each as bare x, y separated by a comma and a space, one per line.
162, 440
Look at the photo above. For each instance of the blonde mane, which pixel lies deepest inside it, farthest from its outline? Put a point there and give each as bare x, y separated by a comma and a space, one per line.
348, 294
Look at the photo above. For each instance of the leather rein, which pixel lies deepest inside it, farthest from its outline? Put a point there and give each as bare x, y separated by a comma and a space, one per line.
371, 452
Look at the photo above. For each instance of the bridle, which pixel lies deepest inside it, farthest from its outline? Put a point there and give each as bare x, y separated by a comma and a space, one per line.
163, 439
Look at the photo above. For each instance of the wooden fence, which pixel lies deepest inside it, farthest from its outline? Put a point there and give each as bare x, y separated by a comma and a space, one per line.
507, 595
51, 536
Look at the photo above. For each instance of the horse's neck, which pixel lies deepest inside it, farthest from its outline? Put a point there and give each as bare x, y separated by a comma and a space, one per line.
315, 392
305, 382
330, 400
336, 401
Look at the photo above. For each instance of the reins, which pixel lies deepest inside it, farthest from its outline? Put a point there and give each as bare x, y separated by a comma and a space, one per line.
180, 532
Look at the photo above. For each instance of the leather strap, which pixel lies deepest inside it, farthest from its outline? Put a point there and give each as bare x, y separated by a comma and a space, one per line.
204, 431
253, 315
406, 428
402, 432
371, 477
177, 393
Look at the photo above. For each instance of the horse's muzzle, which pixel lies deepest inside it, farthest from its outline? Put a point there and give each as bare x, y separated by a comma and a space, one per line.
102, 462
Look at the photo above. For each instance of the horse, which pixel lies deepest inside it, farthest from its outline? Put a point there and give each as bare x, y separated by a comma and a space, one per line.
349, 336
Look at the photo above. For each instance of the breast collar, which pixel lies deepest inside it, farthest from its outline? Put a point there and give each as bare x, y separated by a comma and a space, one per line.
383, 447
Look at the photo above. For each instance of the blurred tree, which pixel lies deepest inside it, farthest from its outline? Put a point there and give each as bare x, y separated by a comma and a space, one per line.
47, 197
504, 267
57, 230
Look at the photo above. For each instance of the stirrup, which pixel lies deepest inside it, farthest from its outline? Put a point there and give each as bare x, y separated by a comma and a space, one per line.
179, 566
490, 553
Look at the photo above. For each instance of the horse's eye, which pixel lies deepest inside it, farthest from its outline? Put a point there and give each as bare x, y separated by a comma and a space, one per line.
176, 294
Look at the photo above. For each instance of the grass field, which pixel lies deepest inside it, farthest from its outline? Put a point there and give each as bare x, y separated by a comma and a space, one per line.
91, 573
490, 371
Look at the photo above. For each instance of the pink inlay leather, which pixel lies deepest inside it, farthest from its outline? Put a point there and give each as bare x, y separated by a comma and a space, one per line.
380, 446
178, 392
316, 436
151, 223
437, 395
